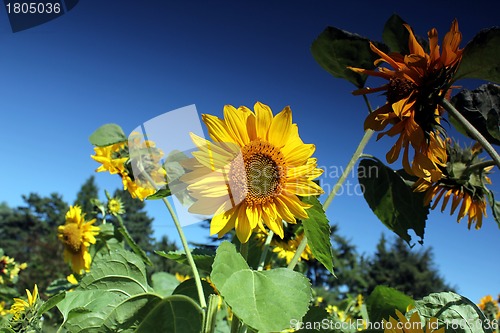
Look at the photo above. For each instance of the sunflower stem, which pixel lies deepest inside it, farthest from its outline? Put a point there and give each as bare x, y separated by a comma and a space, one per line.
244, 250
358, 153
262, 260
298, 253
472, 131
355, 157
368, 105
196, 275
235, 324
481, 165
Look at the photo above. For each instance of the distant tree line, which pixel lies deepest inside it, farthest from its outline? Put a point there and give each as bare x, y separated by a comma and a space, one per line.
28, 233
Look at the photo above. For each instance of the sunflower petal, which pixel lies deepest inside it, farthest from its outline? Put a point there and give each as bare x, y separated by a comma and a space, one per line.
279, 131
264, 118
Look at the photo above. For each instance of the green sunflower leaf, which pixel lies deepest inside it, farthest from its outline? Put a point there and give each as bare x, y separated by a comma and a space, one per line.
50, 303
125, 316
392, 200
130, 242
458, 313
164, 283
495, 206
107, 135
396, 36
314, 315
336, 49
266, 301
203, 258
174, 314
481, 107
116, 276
160, 194
384, 301
188, 288
317, 231
480, 58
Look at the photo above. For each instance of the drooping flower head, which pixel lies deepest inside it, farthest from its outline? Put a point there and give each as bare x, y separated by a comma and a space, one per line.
77, 235
252, 173
464, 181
416, 84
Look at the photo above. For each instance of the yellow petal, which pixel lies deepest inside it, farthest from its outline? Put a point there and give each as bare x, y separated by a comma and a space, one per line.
264, 117
279, 131
414, 45
295, 206
242, 225
217, 128
300, 155
220, 220
236, 122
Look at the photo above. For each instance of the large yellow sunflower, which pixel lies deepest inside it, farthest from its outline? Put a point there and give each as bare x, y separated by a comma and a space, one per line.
77, 235
252, 173
417, 82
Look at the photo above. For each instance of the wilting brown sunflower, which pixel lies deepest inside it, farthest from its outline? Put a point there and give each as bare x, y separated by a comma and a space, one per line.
417, 82
252, 173
464, 181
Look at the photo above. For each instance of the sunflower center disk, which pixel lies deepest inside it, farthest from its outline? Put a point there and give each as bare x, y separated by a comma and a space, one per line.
262, 173
399, 88
72, 237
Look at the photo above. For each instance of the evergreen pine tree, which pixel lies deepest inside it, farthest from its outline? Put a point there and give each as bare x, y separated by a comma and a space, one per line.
408, 270
88, 191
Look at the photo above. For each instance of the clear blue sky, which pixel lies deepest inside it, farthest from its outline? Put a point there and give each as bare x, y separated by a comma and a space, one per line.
129, 61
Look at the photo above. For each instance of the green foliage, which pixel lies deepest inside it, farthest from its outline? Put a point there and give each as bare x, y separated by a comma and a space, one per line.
260, 298
204, 258
480, 57
29, 234
175, 314
116, 295
392, 200
107, 135
160, 264
336, 49
163, 283
317, 231
458, 313
395, 35
481, 107
188, 288
384, 301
